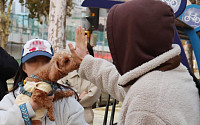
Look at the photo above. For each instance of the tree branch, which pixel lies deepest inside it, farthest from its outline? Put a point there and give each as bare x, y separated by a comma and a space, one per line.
1, 6
9, 9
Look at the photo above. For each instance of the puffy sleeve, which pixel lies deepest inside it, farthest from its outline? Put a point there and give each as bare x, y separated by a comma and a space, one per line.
10, 113
103, 74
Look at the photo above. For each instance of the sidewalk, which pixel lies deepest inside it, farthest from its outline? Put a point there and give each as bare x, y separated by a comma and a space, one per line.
99, 115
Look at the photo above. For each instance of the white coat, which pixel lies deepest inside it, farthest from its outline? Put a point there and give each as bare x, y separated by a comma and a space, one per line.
156, 98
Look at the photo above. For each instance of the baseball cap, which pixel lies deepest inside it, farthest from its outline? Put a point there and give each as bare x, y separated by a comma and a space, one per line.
36, 47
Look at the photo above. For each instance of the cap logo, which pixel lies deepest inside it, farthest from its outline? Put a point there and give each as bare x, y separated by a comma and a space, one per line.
37, 45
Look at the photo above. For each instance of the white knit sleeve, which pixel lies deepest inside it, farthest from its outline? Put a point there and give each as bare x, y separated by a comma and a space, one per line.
103, 74
143, 118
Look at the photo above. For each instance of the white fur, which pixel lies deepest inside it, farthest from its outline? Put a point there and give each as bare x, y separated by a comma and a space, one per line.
156, 98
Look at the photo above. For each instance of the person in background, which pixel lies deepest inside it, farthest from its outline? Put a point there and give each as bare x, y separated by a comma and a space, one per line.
67, 111
88, 92
8, 69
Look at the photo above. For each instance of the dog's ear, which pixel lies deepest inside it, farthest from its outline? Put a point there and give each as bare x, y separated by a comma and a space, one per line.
55, 72
64, 62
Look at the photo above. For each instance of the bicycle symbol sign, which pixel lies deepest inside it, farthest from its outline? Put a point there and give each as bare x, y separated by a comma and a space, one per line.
175, 4
191, 16
178, 6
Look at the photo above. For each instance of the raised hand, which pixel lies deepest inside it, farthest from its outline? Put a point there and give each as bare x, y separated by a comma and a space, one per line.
81, 42
75, 59
81, 47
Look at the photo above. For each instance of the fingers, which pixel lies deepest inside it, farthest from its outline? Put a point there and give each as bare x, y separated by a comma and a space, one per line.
85, 40
83, 32
71, 48
77, 33
80, 33
78, 30
76, 37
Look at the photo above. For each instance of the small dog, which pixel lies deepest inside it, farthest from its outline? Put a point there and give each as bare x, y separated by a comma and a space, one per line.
59, 66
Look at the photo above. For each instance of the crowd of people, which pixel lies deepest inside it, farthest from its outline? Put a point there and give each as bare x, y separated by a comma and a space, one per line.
146, 74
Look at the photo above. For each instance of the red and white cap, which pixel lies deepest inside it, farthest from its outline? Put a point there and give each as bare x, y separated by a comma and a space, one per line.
36, 47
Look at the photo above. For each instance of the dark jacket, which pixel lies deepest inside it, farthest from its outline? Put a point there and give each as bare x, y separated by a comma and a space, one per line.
8, 68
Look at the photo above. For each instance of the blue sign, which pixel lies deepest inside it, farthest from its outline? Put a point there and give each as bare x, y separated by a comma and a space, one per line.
191, 16
178, 6
107, 4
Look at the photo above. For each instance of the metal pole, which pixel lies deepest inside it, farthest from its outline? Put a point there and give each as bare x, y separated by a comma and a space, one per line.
113, 112
106, 111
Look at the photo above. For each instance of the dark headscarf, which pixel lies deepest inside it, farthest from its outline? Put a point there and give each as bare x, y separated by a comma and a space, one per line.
138, 31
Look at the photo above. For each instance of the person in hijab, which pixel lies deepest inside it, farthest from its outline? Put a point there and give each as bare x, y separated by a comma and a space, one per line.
156, 89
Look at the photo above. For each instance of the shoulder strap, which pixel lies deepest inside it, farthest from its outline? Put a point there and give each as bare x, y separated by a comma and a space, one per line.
23, 91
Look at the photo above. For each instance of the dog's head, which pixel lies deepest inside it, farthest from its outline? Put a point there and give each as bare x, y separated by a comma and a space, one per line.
60, 65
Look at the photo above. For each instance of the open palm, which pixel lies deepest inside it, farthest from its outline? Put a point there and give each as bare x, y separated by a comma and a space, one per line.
81, 42
81, 48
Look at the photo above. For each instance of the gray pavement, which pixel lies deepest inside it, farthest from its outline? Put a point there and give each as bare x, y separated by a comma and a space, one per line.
99, 115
